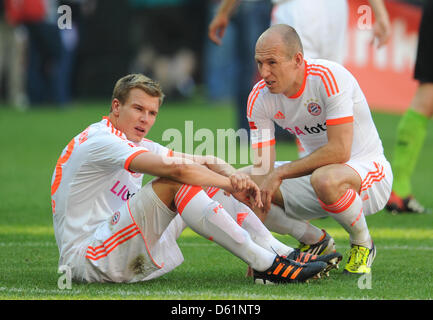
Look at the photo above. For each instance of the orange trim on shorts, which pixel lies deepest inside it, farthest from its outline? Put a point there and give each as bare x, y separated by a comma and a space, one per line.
373, 176
332, 122
96, 253
144, 239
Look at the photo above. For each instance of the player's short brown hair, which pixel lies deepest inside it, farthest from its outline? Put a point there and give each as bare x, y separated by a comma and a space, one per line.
289, 37
136, 80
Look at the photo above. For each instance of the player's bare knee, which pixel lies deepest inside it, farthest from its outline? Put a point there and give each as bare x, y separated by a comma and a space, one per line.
323, 182
166, 190
167, 183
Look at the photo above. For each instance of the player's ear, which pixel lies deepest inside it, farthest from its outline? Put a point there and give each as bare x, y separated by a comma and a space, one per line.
299, 58
115, 106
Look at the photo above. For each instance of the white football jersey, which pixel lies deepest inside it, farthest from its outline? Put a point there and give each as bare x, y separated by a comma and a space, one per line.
91, 182
329, 95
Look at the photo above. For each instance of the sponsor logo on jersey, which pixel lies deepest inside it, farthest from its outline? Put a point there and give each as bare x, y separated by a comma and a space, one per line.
279, 115
122, 192
307, 130
115, 219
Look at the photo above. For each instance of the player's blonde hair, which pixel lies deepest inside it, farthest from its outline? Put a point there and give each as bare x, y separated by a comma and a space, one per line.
136, 80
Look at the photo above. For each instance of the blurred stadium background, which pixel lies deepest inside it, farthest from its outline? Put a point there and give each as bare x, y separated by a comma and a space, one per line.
167, 40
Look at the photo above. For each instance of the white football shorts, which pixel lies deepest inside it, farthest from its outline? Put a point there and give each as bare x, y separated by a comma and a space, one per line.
300, 199
137, 243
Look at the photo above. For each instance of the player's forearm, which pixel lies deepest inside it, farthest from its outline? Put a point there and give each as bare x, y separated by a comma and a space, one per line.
218, 165
379, 9
227, 7
180, 169
196, 174
212, 163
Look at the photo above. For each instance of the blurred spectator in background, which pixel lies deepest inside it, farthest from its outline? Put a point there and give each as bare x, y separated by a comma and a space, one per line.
69, 37
232, 64
12, 66
164, 40
321, 25
44, 48
412, 127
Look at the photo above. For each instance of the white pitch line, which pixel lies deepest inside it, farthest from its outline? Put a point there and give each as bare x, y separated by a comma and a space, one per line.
168, 293
53, 244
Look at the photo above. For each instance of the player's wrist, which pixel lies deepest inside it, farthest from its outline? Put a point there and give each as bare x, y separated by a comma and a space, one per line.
278, 174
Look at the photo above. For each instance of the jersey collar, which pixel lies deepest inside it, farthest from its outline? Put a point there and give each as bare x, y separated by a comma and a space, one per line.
301, 90
113, 129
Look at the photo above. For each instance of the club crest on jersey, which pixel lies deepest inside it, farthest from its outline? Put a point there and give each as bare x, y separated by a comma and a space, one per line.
115, 219
136, 174
313, 107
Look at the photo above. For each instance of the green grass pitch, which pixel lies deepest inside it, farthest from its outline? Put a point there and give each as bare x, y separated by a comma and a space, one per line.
30, 144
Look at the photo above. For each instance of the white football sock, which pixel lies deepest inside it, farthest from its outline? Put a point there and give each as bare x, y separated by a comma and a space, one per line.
209, 219
348, 212
312, 235
248, 220
277, 221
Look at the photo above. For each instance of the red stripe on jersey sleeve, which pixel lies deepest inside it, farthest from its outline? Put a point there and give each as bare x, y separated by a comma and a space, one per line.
331, 122
131, 157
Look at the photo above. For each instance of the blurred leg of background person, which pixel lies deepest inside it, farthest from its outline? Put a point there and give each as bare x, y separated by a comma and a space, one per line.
412, 128
70, 37
5, 40
251, 19
63, 73
12, 66
169, 51
17, 70
231, 68
220, 63
44, 54
322, 27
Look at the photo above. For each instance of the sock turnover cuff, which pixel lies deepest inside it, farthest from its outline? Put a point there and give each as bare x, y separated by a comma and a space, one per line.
341, 204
